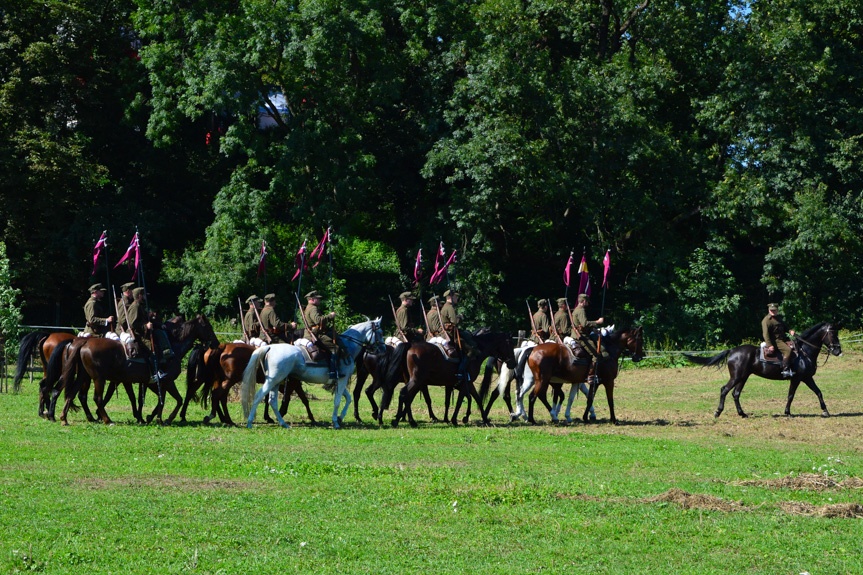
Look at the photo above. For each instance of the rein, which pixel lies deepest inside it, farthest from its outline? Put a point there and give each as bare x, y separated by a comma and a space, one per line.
830, 346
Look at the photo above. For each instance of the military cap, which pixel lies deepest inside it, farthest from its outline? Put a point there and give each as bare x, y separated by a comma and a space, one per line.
406, 295
773, 306
96, 287
127, 286
542, 302
583, 297
432, 299
137, 291
313, 294
449, 293
252, 298
269, 296
561, 302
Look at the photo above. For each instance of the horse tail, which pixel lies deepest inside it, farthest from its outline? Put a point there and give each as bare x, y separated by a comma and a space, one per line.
28, 344
247, 391
486, 378
54, 367
394, 373
714, 361
519, 368
73, 370
194, 373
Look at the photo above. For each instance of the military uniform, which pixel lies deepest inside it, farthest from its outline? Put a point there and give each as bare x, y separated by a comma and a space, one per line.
96, 314
137, 316
775, 334
585, 327
270, 322
542, 323
561, 320
123, 303
433, 318
451, 319
250, 320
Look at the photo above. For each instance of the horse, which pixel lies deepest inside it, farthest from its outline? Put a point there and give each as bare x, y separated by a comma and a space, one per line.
45, 343
422, 364
282, 361
506, 375
216, 371
554, 361
744, 361
105, 360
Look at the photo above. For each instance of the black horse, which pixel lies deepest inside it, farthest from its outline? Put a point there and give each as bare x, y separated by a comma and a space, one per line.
744, 360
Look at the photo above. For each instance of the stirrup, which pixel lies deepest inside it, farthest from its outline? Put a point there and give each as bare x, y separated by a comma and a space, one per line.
593, 379
161, 375
787, 372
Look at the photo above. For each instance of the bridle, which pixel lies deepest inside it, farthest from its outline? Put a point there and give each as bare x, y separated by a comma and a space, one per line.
831, 345
364, 344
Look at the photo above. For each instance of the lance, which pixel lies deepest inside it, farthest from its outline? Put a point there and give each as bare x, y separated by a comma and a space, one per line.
306, 322
440, 321
117, 311
330, 258
425, 319
243, 323
108, 265
300, 282
533, 323
554, 326
260, 323
604, 286
398, 327
569, 279
147, 305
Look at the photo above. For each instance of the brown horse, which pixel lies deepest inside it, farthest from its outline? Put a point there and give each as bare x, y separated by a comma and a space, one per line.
554, 364
45, 343
423, 364
375, 365
105, 360
222, 367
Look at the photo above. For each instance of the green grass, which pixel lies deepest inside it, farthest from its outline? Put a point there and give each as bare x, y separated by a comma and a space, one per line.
437, 499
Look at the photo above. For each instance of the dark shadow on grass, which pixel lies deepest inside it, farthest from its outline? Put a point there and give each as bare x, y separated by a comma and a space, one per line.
815, 415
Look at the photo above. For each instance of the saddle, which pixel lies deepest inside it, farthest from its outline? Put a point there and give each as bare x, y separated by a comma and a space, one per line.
313, 355
579, 355
763, 357
449, 351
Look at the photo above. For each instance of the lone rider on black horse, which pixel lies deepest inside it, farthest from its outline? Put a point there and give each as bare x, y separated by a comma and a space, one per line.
774, 331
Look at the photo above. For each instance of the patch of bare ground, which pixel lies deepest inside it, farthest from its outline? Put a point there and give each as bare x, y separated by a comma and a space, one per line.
836, 510
804, 482
166, 481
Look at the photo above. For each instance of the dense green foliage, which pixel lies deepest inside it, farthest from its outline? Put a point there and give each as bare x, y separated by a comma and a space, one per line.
10, 306
713, 145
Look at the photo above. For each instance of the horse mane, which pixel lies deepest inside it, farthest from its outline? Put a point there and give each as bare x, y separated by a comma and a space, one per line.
808, 333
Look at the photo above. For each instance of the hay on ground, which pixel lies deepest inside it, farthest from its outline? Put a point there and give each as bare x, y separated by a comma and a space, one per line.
694, 501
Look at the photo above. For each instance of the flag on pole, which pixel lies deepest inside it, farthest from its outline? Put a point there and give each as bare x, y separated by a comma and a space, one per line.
262, 261
566, 270
135, 246
302, 264
441, 254
583, 278
440, 273
606, 262
418, 267
98, 248
322, 246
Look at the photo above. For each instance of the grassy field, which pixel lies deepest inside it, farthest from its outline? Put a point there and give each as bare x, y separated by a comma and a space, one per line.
669, 490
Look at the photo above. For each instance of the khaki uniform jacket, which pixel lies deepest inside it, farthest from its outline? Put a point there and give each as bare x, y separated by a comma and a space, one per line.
434, 323
318, 322
403, 320
450, 319
561, 322
250, 322
96, 316
543, 327
774, 330
272, 324
579, 316
138, 322
121, 312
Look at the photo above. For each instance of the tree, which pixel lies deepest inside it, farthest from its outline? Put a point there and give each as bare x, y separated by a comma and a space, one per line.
10, 307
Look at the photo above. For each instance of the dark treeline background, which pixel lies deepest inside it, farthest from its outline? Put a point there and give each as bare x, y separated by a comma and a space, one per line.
714, 146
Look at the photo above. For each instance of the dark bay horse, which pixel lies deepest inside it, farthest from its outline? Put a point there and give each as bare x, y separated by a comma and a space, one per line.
102, 360
45, 343
744, 361
216, 371
422, 364
553, 364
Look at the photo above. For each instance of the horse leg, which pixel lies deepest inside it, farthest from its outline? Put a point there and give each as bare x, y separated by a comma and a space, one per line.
722, 393
447, 397
348, 400
470, 397
573, 391
370, 394
273, 397
304, 398
557, 396
810, 383
485, 410
82, 397
264, 391
738, 389
112, 387
591, 395
461, 394
130, 392
358, 388
609, 395
98, 385
427, 397
583, 388
543, 397
175, 393
142, 393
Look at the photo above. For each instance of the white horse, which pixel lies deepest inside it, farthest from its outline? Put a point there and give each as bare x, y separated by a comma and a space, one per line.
284, 360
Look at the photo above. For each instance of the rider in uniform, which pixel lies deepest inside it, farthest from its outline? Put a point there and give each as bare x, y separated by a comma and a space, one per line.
321, 325
542, 323
433, 319
451, 319
250, 320
123, 303
585, 327
774, 331
95, 313
270, 322
404, 323
142, 327
561, 318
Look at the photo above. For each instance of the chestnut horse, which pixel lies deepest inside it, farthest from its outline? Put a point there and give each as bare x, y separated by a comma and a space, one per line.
554, 364
423, 364
744, 361
105, 360
217, 370
45, 343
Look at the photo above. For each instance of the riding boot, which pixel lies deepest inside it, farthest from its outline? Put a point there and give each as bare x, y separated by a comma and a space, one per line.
786, 367
592, 378
334, 366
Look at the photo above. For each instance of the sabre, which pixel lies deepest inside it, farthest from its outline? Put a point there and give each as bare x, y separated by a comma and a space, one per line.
398, 327
305, 321
243, 323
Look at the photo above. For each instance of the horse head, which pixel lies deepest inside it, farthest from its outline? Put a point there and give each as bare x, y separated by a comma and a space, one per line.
497, 345
201, 329
371, 335
633, 343
831, 339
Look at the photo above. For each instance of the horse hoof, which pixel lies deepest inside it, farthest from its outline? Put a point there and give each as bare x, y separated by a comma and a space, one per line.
414, 424
340, 421
395, 423
825, 413
465, 420
615, 422
248, 425
717, 414
570, 420
513, 417
592, 417
555, 421
743, 415
285, 425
